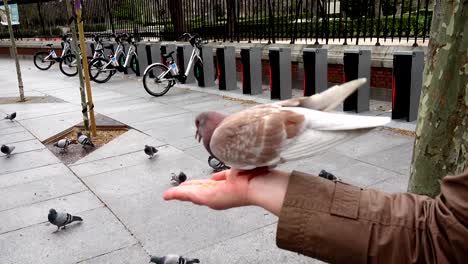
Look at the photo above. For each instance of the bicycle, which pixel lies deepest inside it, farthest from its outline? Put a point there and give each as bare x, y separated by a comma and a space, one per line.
102, 67
44, 60
68, 64
165, 76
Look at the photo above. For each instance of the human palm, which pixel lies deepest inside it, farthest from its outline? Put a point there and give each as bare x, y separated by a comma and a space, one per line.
231, 188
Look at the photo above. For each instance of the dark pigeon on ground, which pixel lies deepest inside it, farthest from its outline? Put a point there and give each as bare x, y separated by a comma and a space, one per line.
173, 259
61, 219
11, 116
63, 144
7, 150
84, 140
150, 151
178, 179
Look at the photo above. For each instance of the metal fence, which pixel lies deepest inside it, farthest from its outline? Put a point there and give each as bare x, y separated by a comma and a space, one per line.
348, 21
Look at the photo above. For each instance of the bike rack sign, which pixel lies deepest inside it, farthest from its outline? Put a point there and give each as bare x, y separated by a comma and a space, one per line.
14, 15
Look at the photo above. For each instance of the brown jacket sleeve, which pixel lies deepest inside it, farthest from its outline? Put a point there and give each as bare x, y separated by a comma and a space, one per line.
340, 223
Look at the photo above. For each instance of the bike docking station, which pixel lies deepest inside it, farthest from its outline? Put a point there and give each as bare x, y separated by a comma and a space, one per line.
280, 73
226, 56
251, 58
144, 56
407, 77
90, 48
115, 44
206, 76
183, 54
315, 70
165, 50
357, 64
125, 47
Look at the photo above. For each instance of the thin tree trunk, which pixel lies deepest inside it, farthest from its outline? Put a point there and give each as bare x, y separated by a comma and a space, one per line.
14, 52
441, 146
84, 105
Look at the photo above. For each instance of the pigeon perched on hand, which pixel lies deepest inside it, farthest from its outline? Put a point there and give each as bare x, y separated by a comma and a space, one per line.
150, 151
61, 219
84, 140
217, 165
270, 134
173, 259
178, 179
11, 116
63, 144
7, 150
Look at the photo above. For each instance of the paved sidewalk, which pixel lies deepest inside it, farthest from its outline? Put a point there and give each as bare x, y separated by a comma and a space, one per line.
118, 190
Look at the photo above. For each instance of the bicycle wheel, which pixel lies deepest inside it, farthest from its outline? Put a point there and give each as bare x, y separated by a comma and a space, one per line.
155, 82
96, 72
68, 65
135, 65
39, 61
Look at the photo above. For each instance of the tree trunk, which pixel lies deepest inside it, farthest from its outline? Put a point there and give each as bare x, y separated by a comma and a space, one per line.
177, 16
14, 52
76, 49
441, 146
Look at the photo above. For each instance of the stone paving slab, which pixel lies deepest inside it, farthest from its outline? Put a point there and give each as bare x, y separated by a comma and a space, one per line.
367, 144
30, 111
11, 130
167, 158
16, 137
27, 160
129, 255
397, 159
399, 183
254, 247
25, 176
55, 124
29, 215
40, 244
37, 191
363, 174
152, 111
129, 142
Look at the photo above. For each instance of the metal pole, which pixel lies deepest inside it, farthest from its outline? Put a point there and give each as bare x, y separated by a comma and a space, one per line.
14, 51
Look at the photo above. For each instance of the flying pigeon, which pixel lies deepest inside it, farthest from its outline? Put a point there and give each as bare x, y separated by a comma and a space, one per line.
150, 151
7, 150
63, 144
217, 165
173, 259
84, 140
11, 116
270, 134
178, 179
327, 175
61, 219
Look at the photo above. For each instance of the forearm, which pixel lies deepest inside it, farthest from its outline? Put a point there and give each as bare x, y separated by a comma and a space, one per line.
268, 191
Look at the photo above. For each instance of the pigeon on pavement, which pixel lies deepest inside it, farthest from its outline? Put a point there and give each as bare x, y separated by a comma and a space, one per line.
271, 134
327, 175
11, 116
178, 179
63, 144
61, 219
150, 151
7, 150
173, 259
84, 140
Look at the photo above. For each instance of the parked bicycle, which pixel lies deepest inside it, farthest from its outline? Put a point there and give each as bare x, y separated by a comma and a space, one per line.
44, 60
158, 78
102, 69
68, 64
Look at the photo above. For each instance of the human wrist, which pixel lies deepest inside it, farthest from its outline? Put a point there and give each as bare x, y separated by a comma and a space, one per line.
268, 191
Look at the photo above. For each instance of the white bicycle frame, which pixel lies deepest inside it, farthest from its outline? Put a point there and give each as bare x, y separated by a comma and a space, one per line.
66, 48
119, 50
195, 55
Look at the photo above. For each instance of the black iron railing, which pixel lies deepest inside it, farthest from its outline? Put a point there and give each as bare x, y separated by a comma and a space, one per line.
311, 21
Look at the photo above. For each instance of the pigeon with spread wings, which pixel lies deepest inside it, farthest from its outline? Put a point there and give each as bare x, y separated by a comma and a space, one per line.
270, 134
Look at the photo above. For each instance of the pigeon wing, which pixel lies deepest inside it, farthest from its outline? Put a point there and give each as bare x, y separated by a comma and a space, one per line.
255, 137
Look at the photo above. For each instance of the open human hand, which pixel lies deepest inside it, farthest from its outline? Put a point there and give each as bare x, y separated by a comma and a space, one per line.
228, 189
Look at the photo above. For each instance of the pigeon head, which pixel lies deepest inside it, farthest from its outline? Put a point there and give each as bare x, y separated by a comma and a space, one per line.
52, 215
157, 260
206, 124
4, 149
